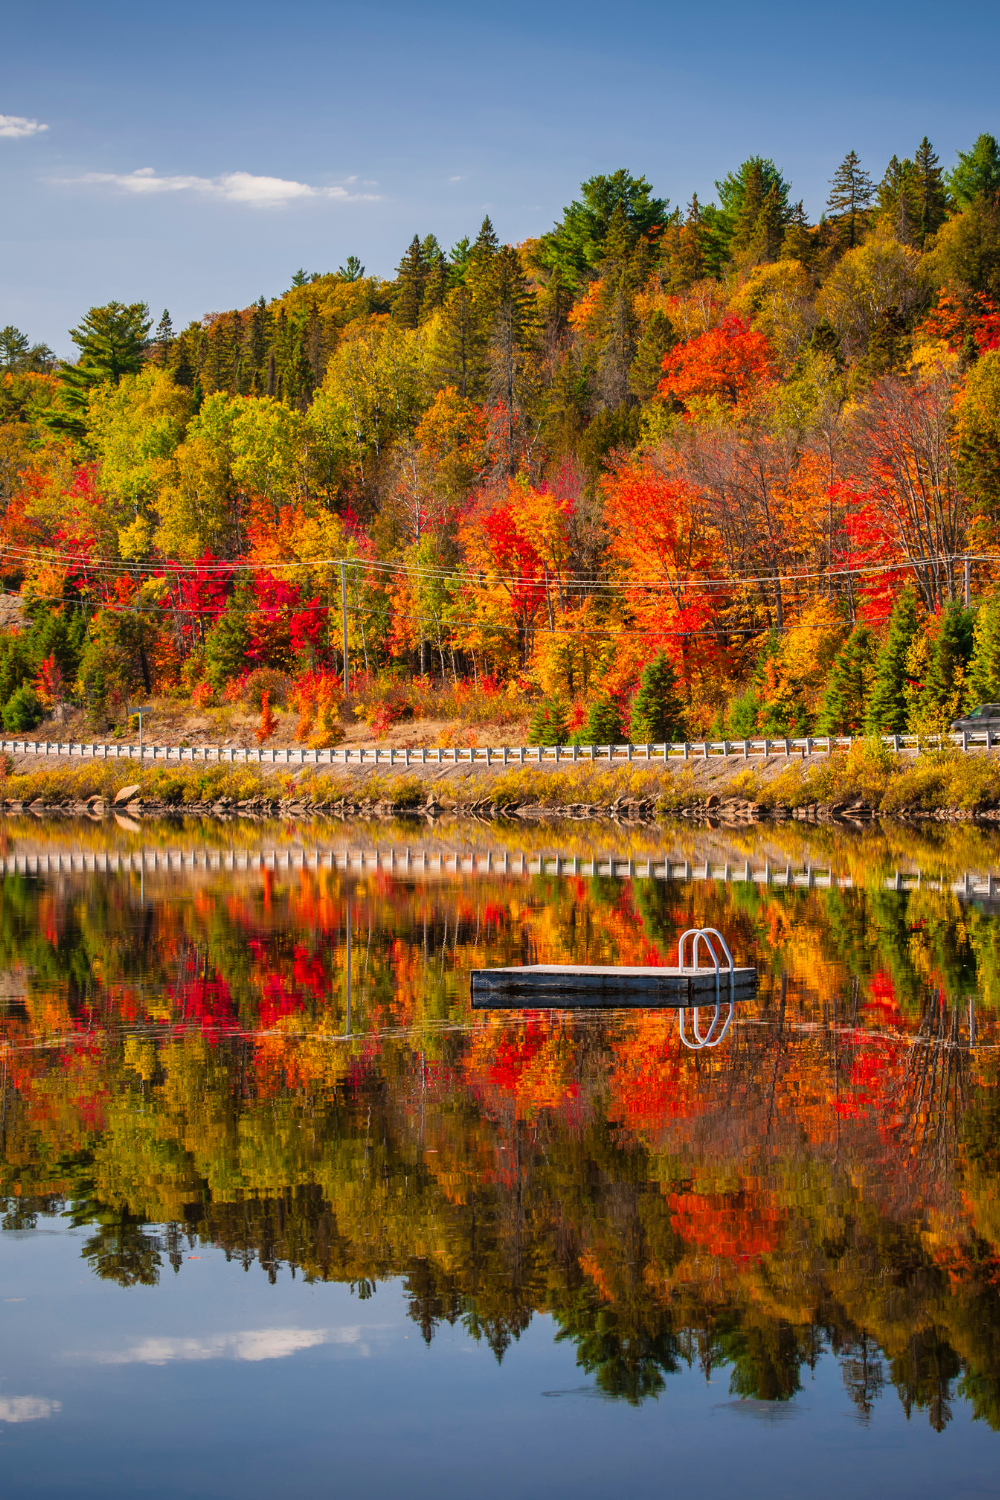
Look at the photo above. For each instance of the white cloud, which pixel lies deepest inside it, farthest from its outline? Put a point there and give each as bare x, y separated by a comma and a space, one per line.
456, 179
231, 187
26, 1408
16, 126
253, 1345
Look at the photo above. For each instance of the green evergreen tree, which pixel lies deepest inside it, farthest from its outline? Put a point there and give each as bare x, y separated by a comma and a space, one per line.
658, 709
22, 710
226, 646
983, 682
798, 243
851, 193
14, 347
897, 199
888, 706
353, 271
112, 341
411, 279
548, 724
943, 685
845, 700
575, 246
932, 201
647, 368
977, 172
603, 724
163, 339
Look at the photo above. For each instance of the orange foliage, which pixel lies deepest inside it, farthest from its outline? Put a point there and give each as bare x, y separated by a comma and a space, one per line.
727, 363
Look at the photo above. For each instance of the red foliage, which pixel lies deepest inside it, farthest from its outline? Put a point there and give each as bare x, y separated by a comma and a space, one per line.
956, 320
728, 362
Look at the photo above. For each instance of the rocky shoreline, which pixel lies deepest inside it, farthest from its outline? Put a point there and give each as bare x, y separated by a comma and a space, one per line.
631, 811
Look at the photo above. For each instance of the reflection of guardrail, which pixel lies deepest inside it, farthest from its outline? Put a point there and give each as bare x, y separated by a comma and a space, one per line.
505, 755
410, 863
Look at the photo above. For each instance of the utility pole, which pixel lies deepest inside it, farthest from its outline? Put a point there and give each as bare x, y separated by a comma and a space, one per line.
343, 612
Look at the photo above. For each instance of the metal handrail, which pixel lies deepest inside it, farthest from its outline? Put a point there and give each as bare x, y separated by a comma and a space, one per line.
710, 1040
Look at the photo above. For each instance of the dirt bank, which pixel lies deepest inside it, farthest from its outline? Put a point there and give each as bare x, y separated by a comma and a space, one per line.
865, 783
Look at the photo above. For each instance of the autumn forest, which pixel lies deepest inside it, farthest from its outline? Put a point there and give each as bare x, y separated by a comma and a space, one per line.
746, 461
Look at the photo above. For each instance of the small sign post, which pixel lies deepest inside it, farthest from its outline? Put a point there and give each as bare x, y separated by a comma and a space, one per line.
140, 709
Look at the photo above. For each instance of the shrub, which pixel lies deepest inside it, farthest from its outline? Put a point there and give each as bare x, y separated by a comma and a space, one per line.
248, 691
318, 697
268, 723
202, 695
23, 710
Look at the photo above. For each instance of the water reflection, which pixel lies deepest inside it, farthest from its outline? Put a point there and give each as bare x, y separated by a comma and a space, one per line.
244, 1047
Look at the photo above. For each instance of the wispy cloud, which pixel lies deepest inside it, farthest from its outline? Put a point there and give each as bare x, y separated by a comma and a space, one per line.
15, 126
231, 187
456, 179
252, 1345
26, 1408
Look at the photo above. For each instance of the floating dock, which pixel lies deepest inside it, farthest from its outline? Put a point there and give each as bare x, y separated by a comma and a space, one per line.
566, 986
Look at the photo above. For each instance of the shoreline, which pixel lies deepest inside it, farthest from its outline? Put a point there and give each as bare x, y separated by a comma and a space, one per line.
847, 789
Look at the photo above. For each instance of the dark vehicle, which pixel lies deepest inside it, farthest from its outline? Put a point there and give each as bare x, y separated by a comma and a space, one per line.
986, 716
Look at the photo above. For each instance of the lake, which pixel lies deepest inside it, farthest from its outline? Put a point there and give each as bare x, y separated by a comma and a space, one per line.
254, 1140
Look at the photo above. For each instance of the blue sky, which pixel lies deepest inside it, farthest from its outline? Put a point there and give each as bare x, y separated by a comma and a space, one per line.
268, 137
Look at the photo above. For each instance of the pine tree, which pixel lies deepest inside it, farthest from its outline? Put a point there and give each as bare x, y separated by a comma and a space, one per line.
851, 193
977, 174
353, 271
797, 243
163, 339
112, 341
888, 705
943, 686
657, 710
849, 683
647, 368
983, 683
603, 724
548, 723
511, 340
411, 279
898, 199
932, 205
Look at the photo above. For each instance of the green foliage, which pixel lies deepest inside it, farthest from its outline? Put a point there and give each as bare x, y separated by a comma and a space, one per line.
845, 703
16, 665
888, 706
226, 647
602, 726
983, 679
977, 172
548, 724
657, 709
574, 248
22, 710
115, 666
940, 695
112, 341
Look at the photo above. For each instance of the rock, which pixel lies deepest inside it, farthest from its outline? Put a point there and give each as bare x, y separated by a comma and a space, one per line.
126, 794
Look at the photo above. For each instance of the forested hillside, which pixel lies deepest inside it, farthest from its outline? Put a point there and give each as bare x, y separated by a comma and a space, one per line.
662, 471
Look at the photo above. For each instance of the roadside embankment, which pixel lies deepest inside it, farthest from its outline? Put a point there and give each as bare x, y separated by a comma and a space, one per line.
868, 781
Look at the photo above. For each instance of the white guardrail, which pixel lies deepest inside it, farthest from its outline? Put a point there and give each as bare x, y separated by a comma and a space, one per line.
504, 755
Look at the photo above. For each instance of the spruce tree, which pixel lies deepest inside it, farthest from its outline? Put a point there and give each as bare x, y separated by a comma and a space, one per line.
797, 243
932, 208
983, 684
647, 368
977, 174
887, 704
851, 193
603, 724
163, 339
658, 709
898, 199
845, 701
944, 680
548, 724
411, 279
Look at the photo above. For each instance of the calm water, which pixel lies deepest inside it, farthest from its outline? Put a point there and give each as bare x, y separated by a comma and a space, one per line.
281, 1215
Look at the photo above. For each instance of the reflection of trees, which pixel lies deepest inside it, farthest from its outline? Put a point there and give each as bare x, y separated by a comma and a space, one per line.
825, 1182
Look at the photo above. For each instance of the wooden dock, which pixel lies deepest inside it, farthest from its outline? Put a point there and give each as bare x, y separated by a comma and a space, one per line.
569, 986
